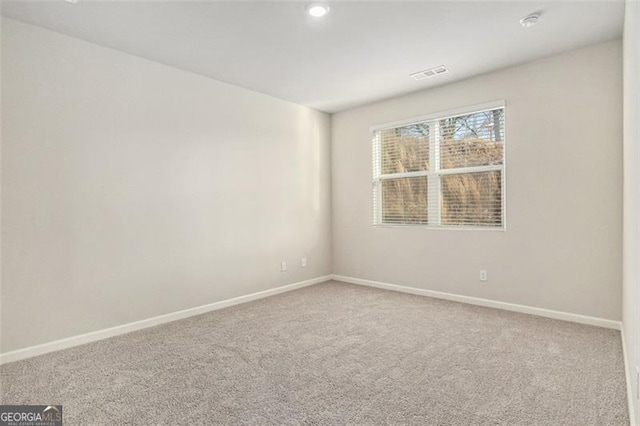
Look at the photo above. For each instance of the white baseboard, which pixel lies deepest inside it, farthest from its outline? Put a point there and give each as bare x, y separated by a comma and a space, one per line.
150, 322
630, 376
565, 316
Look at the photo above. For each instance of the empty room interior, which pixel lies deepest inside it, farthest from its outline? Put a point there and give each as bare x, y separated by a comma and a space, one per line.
320, 213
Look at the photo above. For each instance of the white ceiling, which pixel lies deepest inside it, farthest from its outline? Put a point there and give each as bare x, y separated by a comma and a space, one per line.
361, 52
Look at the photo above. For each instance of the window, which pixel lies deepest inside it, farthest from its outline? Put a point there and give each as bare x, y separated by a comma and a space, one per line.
443, 171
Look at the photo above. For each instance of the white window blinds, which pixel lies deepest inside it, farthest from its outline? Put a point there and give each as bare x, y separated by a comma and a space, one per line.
441, 171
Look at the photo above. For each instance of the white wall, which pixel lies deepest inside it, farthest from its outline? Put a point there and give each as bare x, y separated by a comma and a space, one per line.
631, 291
562, 247
120, 182
131, 189
1, 231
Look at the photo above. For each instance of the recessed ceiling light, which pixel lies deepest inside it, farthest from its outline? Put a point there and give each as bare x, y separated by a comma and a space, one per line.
72, 1
318, 10
530, 20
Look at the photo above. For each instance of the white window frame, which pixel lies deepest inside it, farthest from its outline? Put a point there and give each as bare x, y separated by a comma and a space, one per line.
434, 173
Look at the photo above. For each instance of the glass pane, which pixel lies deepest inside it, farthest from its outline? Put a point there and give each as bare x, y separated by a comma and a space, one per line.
472, 140
404, 200
472, 199
405, 149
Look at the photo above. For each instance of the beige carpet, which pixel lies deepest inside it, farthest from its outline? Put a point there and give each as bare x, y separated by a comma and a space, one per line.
336, 353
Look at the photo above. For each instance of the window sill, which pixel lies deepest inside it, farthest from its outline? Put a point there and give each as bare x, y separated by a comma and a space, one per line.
444, 228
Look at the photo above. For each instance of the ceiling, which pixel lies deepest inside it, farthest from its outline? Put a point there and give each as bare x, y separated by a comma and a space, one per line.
359, 53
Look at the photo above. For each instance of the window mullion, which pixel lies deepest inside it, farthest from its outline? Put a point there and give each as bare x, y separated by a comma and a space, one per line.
434, 177
377, 192
404, 175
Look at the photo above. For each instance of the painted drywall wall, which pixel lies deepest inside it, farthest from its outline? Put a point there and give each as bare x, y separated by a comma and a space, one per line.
1, 232
562, 247
131, 189
631, 290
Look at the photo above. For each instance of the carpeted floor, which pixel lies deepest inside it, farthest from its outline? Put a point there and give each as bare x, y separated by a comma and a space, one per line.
336, 353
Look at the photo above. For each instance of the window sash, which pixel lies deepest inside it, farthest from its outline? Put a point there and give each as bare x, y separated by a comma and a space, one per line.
435, 172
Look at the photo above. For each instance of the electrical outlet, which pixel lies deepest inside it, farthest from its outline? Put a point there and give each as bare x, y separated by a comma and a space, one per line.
283, 266
483, 275
303, 262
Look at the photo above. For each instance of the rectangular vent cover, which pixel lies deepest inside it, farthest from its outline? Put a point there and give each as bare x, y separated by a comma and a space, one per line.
431, 72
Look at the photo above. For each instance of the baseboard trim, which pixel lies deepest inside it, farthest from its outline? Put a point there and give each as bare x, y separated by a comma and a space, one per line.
628, 372
547, 313
72, 341
93, 336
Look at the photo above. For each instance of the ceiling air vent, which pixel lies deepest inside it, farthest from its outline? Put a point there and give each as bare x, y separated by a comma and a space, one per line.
431, 72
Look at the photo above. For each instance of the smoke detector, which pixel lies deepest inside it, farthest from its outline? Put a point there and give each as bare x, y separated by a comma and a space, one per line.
530, 20
431, 72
